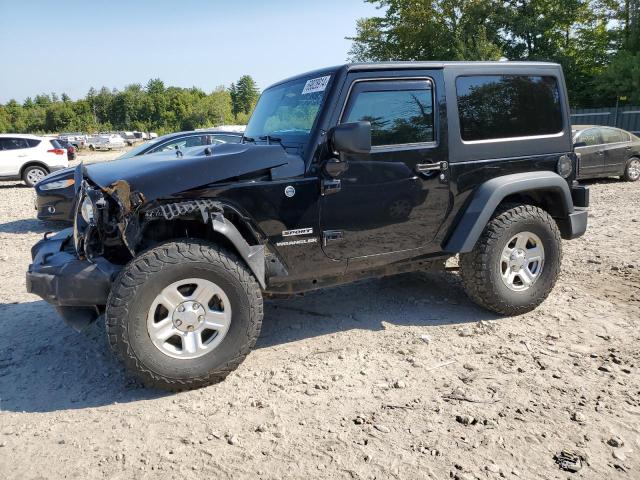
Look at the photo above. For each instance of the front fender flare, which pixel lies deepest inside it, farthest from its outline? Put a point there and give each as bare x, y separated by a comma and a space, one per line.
252, 254
489, 195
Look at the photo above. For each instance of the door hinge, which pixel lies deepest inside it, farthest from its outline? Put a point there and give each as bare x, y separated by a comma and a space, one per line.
327, 187
432, 167
331, 236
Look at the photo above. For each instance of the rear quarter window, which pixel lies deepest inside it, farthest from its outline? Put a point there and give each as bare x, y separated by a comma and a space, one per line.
492, 107
32, 142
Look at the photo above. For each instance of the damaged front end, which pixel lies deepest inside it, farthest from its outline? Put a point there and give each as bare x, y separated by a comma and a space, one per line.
74, 268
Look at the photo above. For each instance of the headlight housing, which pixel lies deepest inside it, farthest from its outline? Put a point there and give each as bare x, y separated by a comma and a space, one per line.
86, 210
57, 185
565, 166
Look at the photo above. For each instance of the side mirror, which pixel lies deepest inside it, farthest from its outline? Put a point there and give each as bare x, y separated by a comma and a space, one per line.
579, 144
351, 137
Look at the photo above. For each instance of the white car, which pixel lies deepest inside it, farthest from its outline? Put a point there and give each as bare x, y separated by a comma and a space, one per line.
30, 158
105, 141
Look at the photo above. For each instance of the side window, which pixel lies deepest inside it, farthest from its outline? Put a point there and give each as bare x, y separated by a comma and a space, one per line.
32, 142
13, 143
610, 135
590, 137
198, 141
399, 115
508, 106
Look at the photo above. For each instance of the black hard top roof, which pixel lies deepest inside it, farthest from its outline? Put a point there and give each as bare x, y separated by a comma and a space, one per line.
381, 66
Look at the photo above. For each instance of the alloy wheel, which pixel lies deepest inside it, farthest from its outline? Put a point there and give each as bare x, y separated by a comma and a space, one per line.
189, 318
522, 261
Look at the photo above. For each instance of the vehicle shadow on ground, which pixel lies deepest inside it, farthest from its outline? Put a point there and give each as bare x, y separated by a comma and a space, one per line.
30, 225
4, 185
46, 366
413, 299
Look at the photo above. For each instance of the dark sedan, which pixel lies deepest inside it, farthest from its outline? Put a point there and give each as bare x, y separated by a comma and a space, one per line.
71, 150
55, 193
607, 152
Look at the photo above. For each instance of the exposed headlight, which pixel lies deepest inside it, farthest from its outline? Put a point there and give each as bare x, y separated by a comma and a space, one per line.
58, 184
565, 166
86, 210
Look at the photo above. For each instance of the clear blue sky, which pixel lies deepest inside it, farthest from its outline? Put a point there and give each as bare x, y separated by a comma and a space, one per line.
71, 45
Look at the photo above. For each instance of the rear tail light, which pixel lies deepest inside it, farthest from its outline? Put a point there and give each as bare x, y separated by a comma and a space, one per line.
57, 151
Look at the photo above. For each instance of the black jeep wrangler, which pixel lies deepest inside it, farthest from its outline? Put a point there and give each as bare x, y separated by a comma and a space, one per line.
343, 173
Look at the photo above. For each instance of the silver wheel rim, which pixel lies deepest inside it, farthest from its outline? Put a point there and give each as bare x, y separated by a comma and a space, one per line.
189, 318
522, 261
634, 169
35, 175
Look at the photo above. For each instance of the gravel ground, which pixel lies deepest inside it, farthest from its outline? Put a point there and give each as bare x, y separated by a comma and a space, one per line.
400, 377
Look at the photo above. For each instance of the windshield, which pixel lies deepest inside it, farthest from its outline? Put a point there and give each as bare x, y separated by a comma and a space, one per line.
135, 151
288, 111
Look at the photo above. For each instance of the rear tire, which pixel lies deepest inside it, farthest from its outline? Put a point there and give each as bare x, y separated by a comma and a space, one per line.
34, 174
632, 170
515, 262
134, 311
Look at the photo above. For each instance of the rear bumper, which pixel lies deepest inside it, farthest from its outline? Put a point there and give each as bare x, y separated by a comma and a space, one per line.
59, 277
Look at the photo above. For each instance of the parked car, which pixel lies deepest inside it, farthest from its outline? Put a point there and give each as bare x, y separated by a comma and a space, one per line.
607, 152
30, 158
71, 149
177, 255
54, 195
77, 139
105, 141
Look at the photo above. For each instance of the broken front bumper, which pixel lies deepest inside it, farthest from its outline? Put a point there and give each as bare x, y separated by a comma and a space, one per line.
62, 279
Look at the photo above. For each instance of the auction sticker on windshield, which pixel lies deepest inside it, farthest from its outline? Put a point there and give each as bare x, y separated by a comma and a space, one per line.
316, 85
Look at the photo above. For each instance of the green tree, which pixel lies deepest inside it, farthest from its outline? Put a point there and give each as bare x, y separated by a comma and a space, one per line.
244, 95
428, 30
582, 35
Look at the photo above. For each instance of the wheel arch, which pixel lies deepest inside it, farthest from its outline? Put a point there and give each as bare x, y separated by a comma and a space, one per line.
221, 224
544, 189
33, 163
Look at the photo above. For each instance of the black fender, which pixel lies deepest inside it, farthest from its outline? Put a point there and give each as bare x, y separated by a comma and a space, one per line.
488, 196
205, 209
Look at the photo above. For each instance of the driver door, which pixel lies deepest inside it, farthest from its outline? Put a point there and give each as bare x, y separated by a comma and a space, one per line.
386, 201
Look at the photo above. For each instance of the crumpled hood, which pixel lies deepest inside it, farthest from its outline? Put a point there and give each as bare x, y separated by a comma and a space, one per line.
165, 174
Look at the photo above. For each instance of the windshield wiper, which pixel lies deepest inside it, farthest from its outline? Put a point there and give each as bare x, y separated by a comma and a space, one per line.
270, 139
248, 139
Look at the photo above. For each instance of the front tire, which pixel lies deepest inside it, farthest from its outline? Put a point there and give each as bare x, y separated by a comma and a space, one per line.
33, 175
632, 170
184, 315
515, 262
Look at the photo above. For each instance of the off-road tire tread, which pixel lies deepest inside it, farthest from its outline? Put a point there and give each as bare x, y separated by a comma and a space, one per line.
472, 265
153, 261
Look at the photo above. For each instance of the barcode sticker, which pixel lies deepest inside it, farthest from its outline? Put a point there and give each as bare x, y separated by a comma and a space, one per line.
316, 85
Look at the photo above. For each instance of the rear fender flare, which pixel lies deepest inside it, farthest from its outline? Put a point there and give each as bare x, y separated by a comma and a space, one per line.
488, 196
